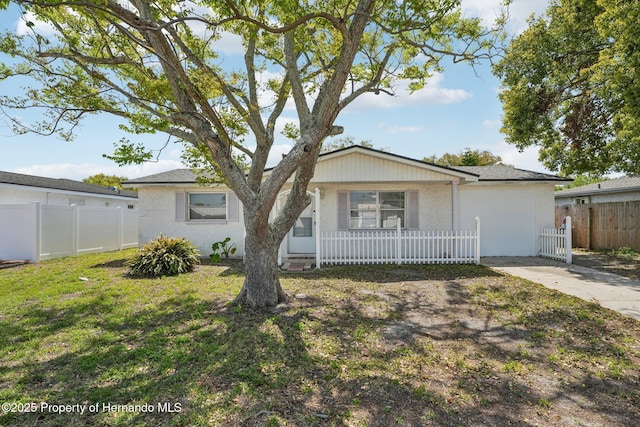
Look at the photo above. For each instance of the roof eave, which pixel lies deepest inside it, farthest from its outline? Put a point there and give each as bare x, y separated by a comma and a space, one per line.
597, 192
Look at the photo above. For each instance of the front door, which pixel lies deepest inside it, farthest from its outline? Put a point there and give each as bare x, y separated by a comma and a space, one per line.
302, 239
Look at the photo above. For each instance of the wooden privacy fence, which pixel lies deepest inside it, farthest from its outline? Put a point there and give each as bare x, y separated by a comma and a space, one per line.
36, 232
555, 243
604, 225
400, 246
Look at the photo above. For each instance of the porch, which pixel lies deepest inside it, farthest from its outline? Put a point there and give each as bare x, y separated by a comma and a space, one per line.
399, 246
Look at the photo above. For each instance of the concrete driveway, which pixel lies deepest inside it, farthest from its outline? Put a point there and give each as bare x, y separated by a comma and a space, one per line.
610, 290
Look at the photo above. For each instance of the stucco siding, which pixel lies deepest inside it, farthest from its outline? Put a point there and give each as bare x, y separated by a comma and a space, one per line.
511, 216
434, 205
359, 167
158, 216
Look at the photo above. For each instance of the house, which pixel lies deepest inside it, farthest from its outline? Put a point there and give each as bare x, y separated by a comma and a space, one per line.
364, 192
623, 189
18, 188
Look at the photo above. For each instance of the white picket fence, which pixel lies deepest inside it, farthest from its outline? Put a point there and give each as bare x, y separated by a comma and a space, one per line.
37, 232
400, 247
555, 243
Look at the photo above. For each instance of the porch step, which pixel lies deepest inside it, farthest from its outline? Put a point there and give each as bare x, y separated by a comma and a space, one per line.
297, 267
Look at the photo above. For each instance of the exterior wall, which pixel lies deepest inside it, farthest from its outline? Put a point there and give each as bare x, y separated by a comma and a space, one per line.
53, 197
158, 204
434, 203
158, 216
511, 216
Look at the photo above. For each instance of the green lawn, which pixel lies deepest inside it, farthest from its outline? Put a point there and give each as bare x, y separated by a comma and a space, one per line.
355, 346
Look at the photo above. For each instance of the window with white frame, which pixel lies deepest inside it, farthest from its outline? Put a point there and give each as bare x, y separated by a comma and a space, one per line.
376, 209
207, 206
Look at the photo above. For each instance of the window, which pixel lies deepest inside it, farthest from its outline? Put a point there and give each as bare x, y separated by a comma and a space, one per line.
303, 227
376, 209
207, 206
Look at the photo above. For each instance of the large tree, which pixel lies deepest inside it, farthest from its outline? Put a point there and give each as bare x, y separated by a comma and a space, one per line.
157, 65
571, 85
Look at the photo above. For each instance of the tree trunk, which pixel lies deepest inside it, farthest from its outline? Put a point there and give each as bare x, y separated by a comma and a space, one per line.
261, 288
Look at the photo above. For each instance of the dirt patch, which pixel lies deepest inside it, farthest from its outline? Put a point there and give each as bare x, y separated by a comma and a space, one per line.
484, 350
626, 266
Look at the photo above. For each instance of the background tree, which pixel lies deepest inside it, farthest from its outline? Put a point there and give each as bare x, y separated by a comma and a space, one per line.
571, 85
106, 180
467, 157
343, 142
155, 64
581, 180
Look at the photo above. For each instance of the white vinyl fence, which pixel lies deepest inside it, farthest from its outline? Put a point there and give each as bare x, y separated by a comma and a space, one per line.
400, 247
37, 232
555, 243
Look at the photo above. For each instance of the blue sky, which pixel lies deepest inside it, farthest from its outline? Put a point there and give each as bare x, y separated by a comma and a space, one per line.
459, 108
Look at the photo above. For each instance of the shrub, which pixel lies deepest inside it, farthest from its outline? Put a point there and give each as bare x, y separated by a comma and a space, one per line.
164, 256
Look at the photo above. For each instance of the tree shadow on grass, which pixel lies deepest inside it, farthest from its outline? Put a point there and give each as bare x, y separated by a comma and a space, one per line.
388, 353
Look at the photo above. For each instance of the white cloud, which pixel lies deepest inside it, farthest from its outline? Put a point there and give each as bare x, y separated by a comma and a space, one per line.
397, 129
230, 44
431, 94
79, 171
518, 11
42, 28
277, 151
527, 159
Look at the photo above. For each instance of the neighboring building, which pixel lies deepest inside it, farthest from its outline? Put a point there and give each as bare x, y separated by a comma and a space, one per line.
625, 189
361, 189
18, 188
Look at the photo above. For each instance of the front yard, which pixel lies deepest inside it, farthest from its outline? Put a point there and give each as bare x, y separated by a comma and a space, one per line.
355, 346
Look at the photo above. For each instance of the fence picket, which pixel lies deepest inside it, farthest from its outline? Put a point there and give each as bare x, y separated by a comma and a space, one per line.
399, 246
555, 243
52, 231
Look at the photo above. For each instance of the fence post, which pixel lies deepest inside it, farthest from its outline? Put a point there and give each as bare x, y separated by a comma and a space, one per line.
317, 227
398, 243
38, 225
568, 241
120, 227
75, 229
477, 240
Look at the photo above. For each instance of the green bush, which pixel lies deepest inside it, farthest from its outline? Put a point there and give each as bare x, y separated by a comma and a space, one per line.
164, 256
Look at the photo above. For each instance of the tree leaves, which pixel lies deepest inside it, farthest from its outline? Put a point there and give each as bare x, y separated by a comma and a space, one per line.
571, 87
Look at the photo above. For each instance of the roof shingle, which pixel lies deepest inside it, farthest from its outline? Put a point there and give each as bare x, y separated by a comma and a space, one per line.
616, 185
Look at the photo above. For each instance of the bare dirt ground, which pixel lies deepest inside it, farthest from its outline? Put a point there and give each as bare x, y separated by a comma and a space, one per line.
627, 266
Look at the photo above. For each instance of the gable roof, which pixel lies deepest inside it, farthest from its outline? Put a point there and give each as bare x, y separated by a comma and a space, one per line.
617, 185
36, 182
472, 176
466, 173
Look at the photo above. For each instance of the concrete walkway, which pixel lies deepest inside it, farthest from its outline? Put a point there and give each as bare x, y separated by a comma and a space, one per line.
610, 290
